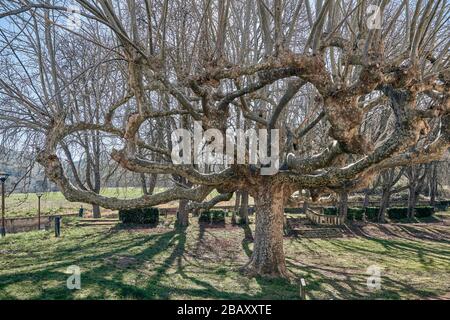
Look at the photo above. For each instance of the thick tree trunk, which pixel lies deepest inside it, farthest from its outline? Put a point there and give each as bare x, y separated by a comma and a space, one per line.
411, 202
236, 207
152, 183
433, 184
305, 207
366, 199
183, 214
268, 254
144, 184
343, 204
384, 204
96, 211
243, 211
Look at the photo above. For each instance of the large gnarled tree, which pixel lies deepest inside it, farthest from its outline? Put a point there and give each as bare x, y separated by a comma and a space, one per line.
320, 72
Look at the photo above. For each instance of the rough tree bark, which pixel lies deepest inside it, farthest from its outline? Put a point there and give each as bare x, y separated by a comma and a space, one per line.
96, 213
236, 207
268, 253
243, 210
243, 216
366, 201
343, 204
183, 214
384, 204
416, 175
433, 183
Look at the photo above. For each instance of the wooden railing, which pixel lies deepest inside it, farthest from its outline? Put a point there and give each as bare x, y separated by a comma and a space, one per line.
324, 219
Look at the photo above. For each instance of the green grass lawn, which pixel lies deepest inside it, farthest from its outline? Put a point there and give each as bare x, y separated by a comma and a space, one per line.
203, 263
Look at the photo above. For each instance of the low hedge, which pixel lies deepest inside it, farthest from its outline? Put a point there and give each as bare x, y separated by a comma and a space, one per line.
402, 212
441, 207
204, 216
372, 213
139, 216
212, 216
352, 213
330, 211
355, 214
218, 216
396, 213
424, 211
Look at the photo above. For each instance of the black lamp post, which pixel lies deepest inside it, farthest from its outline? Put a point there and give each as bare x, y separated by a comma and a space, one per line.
3, 177
39, 195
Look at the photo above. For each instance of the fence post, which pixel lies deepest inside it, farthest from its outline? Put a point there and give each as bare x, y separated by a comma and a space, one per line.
302, 289
57, 226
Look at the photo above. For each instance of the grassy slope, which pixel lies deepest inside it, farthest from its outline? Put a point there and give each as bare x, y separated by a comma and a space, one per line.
203, 263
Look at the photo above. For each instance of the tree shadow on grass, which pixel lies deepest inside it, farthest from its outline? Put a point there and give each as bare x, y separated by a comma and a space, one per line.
99, 276
104, 275
152, 260
329, 283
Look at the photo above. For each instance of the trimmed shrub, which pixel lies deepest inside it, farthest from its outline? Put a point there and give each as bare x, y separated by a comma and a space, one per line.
355, 214
372, 213
212, 216
330, 211
139, 216
217, 216
424, 211
397, 213
442, 205
205, 216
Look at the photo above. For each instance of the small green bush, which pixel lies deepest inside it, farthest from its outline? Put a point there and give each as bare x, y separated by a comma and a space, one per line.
355, 214
330, 211
441, 207
139, 216
424, 211
212, 216
205, 216
218, 216
372, 213
397, 213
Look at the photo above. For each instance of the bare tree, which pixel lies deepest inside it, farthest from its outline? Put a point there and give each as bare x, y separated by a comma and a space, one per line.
388, 179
